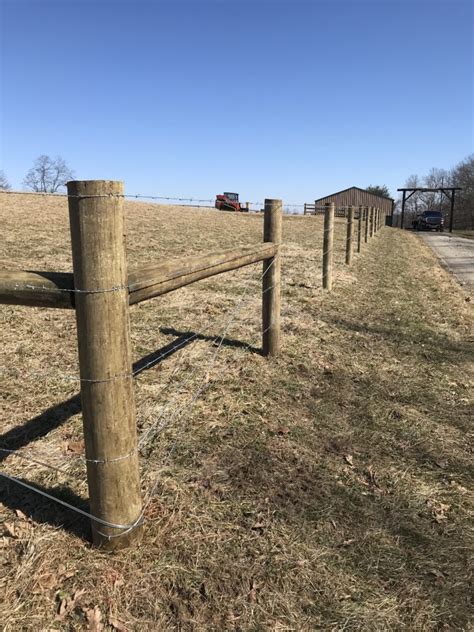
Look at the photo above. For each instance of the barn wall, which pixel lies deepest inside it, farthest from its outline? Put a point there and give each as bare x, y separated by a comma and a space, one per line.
357, 197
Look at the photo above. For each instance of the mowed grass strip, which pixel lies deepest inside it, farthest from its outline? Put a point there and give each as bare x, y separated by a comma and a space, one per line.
327, 489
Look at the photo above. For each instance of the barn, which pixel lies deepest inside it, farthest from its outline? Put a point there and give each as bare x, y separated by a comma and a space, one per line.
354, 196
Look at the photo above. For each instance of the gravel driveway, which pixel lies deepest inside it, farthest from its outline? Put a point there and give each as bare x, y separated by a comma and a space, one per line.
456, 254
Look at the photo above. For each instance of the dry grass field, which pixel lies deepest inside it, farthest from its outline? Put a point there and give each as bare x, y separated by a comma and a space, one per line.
329, 489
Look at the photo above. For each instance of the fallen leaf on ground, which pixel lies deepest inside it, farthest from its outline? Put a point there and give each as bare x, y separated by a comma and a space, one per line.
10, 528
94, 619
21, 515
76, 447
438, 510
117, 625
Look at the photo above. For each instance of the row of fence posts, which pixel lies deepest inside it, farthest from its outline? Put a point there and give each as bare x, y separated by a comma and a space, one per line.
370, 218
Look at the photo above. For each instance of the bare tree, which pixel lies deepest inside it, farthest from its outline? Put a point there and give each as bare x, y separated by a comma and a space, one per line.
435, 179
4, 184
412, 206
463, 176
48, 174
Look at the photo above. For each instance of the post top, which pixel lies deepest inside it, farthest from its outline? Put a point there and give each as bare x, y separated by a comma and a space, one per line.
95, 187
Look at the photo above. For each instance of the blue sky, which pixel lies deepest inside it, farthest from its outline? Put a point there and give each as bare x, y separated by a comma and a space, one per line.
285, 99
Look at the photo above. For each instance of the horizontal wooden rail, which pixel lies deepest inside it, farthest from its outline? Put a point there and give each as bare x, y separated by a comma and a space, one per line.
172, 274
37, 289
56, 289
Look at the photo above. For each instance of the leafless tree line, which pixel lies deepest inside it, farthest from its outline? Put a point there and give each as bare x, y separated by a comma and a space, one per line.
462, 175
47, 175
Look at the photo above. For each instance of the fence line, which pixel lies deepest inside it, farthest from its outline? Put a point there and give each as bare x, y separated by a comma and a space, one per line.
103, 331
101, 295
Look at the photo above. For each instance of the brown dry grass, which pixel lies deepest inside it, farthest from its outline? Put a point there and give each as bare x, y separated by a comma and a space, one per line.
328, 489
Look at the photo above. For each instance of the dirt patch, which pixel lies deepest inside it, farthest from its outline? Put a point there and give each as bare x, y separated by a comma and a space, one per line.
328, 489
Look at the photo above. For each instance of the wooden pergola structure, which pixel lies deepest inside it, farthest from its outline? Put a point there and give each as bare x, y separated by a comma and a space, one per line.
444, 190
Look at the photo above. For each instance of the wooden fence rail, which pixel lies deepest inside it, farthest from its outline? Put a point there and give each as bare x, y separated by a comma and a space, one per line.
56, 289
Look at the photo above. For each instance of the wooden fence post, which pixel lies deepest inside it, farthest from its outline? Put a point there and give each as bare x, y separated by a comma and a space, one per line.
372, 209
271, 302
359, 228
103, 332
350, 235
366, 225
328, 244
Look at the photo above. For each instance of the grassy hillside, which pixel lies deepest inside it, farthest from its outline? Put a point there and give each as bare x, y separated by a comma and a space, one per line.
324, 490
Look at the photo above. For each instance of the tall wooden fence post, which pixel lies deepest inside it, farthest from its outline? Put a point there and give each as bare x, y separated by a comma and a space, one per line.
271, 302
103, 331
372, 209
350, 235
359, 228
328, 244
366, 225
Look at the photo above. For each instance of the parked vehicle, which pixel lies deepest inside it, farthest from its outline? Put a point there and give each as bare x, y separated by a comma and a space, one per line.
429, 220
230, 202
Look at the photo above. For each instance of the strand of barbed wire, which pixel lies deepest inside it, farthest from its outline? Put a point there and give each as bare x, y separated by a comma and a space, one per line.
55, 499
139, 196
168, 198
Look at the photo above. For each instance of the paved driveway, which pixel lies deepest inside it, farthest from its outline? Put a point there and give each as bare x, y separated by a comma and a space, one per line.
456, 254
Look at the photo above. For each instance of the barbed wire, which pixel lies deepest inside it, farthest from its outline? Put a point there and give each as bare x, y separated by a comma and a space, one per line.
139, 196
309, 207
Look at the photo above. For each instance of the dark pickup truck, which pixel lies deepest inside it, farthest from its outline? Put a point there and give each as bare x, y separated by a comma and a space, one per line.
429, 220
